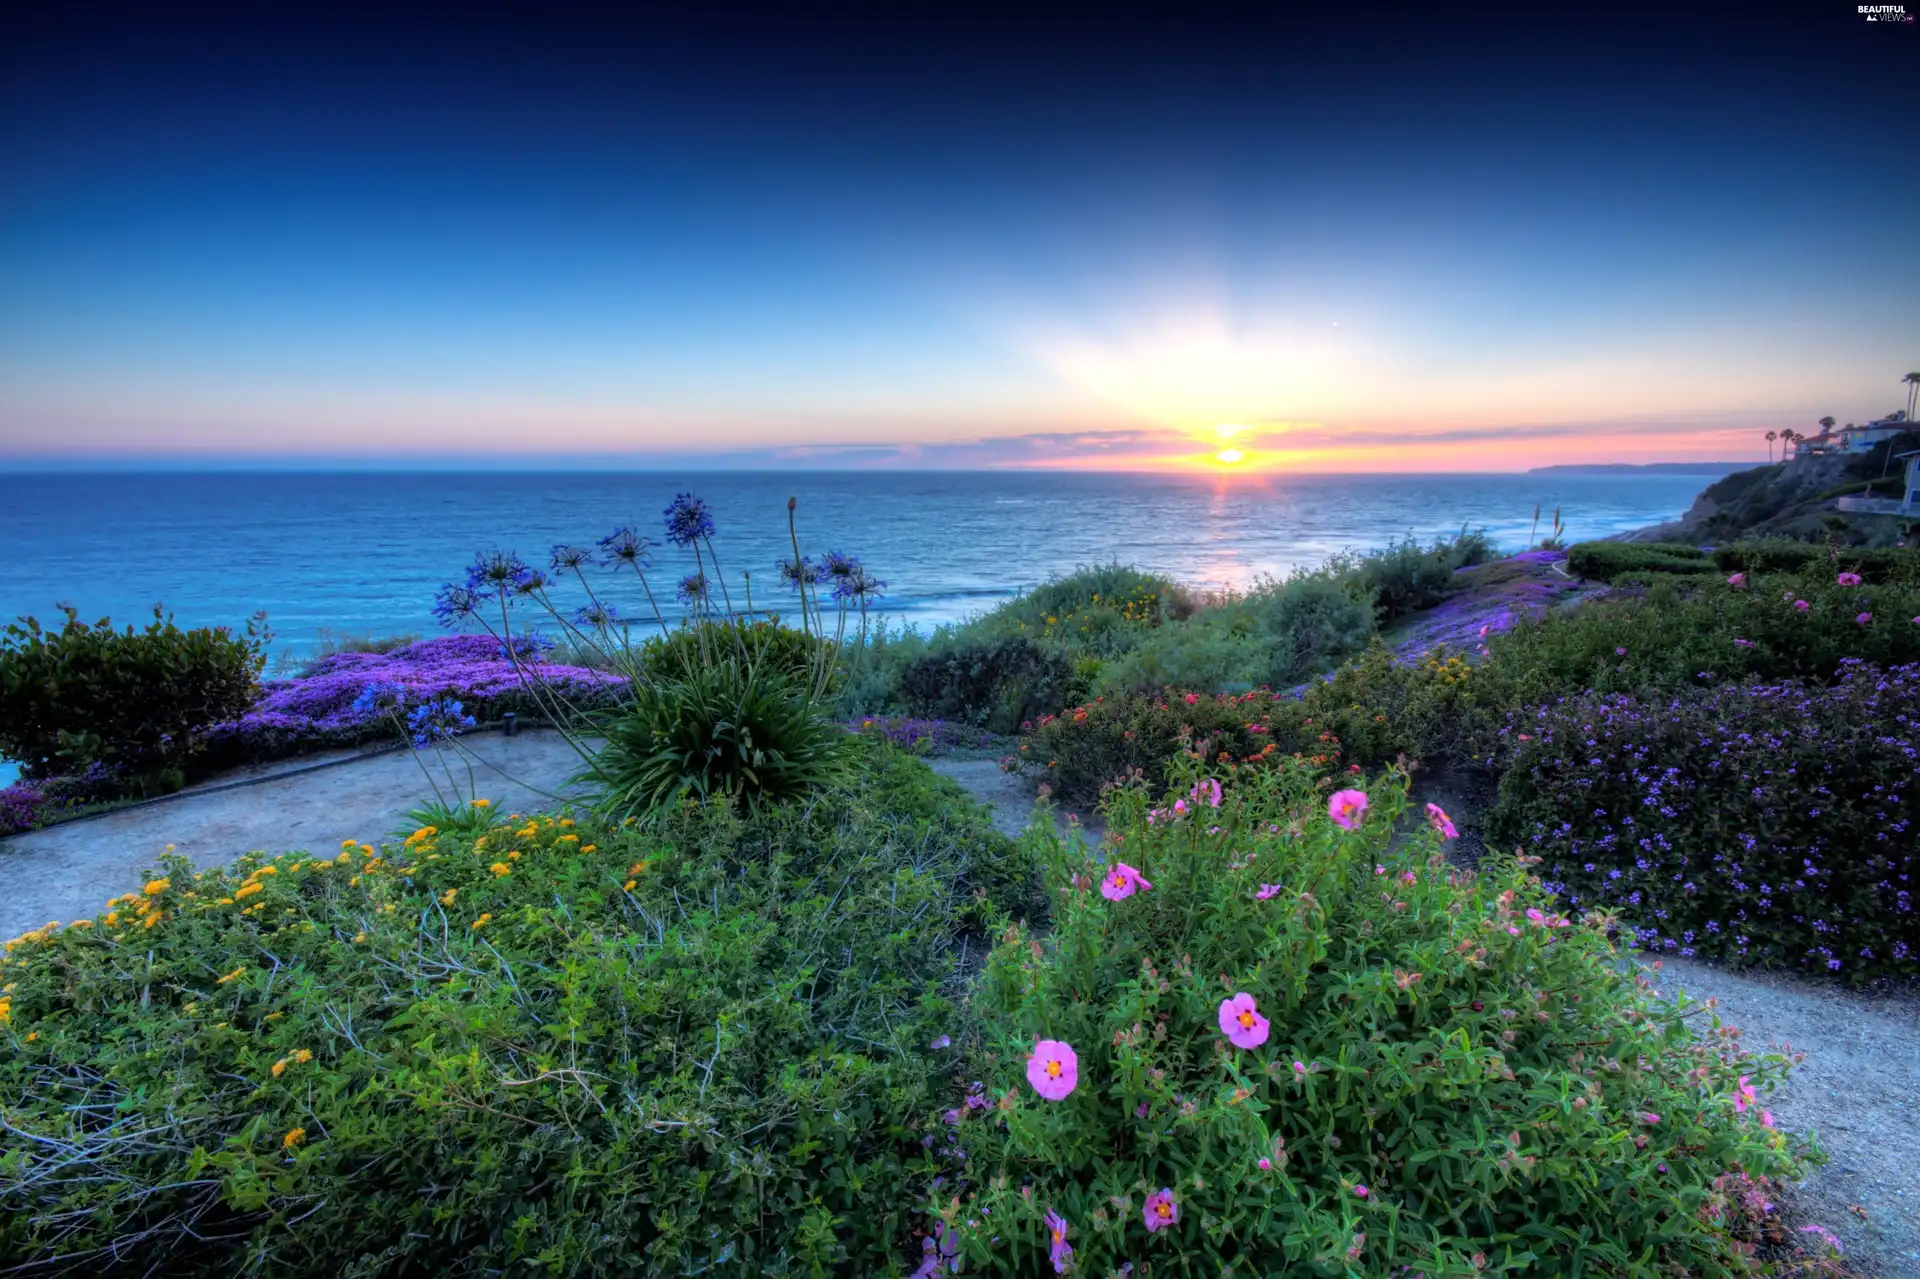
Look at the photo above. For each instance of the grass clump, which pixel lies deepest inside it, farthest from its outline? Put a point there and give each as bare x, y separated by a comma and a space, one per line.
557, 1048
1611, 561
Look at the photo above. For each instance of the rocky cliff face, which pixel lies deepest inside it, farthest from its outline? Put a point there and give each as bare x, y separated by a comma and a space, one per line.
1790, 499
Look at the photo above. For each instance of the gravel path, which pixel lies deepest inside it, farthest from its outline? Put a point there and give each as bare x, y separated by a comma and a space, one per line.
65, 872
1858, 1092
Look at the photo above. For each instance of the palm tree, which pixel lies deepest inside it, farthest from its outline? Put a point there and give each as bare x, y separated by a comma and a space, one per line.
1912, 381
1826, 426
1787, 436
1771, 437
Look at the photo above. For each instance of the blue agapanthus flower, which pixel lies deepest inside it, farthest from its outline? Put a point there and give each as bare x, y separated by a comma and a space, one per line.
379, 696
569, 559
688, 520
432, 722
624, 546
596, 615
530, 582
455, 604
693, 589
858, 586
805, 573
495, 571
839, 565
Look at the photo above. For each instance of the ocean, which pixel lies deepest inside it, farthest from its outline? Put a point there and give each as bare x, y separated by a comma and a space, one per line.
363, 553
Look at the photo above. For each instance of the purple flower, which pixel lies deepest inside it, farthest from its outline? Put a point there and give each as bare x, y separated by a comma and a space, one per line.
688, 520
693, 589
624, 546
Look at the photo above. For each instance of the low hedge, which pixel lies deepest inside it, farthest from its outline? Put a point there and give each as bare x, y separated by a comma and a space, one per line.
1778, 555
551, 1048
1607, 561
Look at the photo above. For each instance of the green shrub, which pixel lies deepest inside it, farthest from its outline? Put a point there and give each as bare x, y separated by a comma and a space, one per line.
763, 644
1084, 750
1405, 577
1777, 555
1685, 635
1381, 709
1609, 561
701, 1051
733, 729
1277, 634
1452, 1080
990, 684
131, 701
1770, 824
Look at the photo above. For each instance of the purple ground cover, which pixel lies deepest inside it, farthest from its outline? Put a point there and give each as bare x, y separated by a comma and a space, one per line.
1494, 597
1770, 823
20, 807
923, 734
324, 706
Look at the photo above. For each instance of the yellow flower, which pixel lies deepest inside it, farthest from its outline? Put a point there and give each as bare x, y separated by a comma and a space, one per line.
157, 886
589, 848
638, 867
247, 889
230, 976
153, 919
501, 868
514, 856
628, 886
81, 923
113, 918
368, 850
566, 822
480, 843
280, 1068
358, 938
268, 870
304, 1056
6, 1011
567, 839
478, 922
446, 898
483, 803
32, 1035
293, 1138
347, 843
169, 849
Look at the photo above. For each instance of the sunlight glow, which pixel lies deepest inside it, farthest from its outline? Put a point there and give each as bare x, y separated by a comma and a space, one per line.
1227, 457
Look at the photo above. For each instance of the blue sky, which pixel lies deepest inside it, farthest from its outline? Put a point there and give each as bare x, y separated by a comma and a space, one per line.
1411, 244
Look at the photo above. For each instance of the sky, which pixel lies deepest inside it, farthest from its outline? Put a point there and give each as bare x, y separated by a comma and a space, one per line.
1221, 238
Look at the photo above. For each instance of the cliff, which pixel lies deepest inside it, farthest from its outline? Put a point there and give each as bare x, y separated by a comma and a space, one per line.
1792, 499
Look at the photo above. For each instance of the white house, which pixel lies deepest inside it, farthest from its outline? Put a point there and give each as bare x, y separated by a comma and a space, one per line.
1861, 439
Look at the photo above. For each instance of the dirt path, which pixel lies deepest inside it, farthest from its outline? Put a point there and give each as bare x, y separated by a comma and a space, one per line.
1858, 1091
65, 872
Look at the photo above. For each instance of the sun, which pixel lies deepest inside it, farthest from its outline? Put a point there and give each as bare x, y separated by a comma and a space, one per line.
1227, 457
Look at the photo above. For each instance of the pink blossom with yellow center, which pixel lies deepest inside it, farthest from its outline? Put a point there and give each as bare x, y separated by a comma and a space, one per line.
1241, 1022
1161, 1211
1053, 1069
1121, 882
1348, 808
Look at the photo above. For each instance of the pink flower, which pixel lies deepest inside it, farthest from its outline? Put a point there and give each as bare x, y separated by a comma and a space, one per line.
1864, 618
1802, 605
1742, 1095
1737, 580
1299, 1070
1619, 652
1052, 1069
1207, 789
1360, 1192
1648, 1117
1192, 698
1265, 1164
1348, 808
1121, 882
1743, 643
1766, 1119
1535, 917
1267, 891
1438, 817
1161, 1211
1241, 1022
1059, 1251
1848, 579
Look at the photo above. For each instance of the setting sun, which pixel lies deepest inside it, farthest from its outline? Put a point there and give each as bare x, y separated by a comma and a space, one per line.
1227, 457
